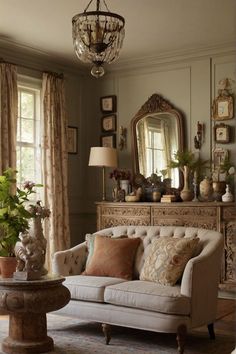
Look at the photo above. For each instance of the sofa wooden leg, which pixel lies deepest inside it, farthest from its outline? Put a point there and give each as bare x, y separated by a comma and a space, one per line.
181, 336
106, 328
211, 331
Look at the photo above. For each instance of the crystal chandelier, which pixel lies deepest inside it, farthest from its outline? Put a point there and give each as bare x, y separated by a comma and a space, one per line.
98, 37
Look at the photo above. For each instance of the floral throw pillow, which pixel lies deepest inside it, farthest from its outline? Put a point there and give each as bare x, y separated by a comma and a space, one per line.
167, 259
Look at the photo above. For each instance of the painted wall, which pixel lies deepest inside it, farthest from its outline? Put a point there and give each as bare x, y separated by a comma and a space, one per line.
190, 84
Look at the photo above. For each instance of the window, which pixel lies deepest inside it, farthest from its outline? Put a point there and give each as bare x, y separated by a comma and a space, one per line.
155, 151
28, 148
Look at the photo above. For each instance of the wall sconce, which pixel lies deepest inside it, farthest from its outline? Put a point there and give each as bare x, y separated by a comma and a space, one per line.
198, 139
123, 138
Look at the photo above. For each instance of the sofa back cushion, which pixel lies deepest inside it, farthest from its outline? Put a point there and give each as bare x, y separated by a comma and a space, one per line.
167, 259
112, 257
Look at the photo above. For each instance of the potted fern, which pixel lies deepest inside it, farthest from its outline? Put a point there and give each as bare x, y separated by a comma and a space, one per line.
14, 218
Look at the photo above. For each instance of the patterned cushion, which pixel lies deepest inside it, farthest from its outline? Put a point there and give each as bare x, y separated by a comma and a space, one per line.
167, 258
113, 257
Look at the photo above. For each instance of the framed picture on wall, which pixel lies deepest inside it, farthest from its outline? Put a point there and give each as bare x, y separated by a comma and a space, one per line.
223, 108
221, 133
108, 104
72, 140
219, 156
108, 140
109, 123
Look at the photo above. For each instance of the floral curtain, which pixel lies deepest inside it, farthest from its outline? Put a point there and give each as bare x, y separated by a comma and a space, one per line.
8, 116
55, 166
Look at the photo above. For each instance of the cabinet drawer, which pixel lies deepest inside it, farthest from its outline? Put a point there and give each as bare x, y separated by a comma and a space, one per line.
115, 216
185, 216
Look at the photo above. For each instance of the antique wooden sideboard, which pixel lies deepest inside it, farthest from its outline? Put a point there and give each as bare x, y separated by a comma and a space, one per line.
209, 215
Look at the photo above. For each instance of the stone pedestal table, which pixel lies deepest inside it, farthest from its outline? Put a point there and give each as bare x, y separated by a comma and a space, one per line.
27, 303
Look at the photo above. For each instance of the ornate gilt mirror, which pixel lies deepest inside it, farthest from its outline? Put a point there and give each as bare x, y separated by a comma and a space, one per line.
157, 133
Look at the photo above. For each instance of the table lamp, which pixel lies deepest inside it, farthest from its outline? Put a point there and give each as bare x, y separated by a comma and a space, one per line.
103, 157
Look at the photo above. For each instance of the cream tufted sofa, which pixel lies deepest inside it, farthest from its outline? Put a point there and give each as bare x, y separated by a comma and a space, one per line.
141, 304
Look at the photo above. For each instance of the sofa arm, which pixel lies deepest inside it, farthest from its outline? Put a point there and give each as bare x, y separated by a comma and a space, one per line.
200, 282
71, 261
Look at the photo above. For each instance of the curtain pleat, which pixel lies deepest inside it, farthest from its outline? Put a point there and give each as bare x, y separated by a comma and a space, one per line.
8, 116
55, 158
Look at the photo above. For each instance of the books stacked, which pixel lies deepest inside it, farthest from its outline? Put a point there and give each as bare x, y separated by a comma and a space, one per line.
168, 198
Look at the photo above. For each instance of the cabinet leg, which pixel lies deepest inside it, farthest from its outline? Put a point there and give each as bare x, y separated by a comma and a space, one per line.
211, 331
181, 336
106, 328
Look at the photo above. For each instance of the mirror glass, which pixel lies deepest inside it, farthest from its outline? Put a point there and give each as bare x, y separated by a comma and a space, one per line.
157, 131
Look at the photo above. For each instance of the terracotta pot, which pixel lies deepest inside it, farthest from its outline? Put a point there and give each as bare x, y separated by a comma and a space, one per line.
7, 266
219, 190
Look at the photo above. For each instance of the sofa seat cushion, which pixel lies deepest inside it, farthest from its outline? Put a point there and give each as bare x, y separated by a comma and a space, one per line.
89, 288
148, 296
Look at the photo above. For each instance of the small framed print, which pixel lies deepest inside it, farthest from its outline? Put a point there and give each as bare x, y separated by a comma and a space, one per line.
223, 108
222, 133
109, 123
72, 140
219, 156
108, 140
108, 104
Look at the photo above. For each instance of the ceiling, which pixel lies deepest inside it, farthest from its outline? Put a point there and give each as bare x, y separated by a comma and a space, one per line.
153, 27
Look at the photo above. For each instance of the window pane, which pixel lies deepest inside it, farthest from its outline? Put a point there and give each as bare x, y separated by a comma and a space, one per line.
18, 130
27, 105
157, 141
18, 163
27, 163
27, 130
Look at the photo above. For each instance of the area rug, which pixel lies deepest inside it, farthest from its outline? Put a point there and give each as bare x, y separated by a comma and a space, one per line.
72, 336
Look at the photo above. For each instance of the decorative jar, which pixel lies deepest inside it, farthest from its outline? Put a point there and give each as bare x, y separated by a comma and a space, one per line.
124, 184
206, 189
228, 196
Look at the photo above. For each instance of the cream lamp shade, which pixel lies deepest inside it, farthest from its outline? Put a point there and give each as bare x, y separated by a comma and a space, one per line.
103, 157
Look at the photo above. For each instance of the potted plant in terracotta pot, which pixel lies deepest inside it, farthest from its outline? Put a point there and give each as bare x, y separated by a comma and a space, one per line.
14, 218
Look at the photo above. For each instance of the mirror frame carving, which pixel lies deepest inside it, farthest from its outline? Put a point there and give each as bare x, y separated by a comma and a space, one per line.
155, 104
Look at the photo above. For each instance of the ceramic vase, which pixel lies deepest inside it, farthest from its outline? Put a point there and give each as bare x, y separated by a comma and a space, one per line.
115, 191
186, 194
124, 184
219, 190
206, 189
228, 196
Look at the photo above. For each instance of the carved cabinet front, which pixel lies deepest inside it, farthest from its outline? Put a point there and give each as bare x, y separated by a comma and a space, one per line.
214, 216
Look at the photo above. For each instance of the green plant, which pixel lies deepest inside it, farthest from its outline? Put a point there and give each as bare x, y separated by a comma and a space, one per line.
14, 217
229, 170
187, 158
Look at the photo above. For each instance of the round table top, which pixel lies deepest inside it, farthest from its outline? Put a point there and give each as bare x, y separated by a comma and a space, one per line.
47, 280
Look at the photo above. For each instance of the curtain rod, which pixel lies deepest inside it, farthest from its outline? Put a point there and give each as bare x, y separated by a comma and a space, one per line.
61, 76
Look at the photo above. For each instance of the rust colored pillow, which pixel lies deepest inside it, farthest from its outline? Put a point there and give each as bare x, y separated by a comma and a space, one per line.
113, 257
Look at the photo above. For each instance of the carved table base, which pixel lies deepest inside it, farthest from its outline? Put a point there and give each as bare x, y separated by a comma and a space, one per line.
27, 303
